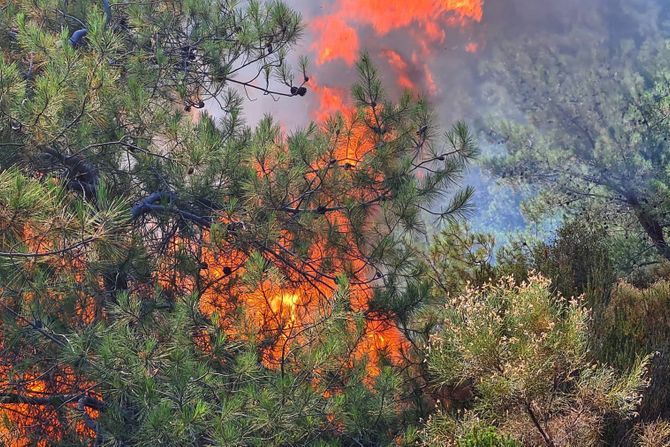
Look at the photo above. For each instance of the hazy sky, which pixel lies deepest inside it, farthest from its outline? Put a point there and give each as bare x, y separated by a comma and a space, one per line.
434, 47
431, 46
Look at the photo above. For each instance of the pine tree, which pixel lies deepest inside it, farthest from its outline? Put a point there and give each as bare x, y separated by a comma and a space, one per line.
169, 279
590, 138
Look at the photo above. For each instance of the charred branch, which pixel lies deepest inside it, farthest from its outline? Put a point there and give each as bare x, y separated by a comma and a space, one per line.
78, 35
60, 252
164, 202
329, 209
536, 422
80, 175
83, 403
651, 226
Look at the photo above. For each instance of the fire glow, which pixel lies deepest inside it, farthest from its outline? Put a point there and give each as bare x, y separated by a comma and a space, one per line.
296, 292
23, 419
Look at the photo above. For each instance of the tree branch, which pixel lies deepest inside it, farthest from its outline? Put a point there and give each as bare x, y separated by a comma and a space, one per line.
56, 400
48, 253
149, 204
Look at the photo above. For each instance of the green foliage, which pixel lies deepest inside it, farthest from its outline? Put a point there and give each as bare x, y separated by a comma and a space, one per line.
578, 259
177, 379
458, 257
592, 141
468, 432
487, 437
168, 278
174, 279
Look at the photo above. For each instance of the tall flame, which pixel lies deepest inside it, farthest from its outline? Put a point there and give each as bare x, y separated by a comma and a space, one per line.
337, 33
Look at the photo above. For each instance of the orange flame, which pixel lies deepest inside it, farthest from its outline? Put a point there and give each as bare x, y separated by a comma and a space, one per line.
331, 101
337, 38
21, 422
423, 23
278, 310
398, 63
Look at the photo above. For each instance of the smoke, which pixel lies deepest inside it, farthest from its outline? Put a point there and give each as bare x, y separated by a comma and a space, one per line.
405, 39
437, 48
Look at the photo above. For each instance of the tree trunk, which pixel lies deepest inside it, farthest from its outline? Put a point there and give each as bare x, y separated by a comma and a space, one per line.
651, 227
544, 433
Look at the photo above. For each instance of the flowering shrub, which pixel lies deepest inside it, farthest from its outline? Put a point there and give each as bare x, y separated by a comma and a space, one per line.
523, 353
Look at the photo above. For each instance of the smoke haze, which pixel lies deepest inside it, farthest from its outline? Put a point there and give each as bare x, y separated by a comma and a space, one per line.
437, 48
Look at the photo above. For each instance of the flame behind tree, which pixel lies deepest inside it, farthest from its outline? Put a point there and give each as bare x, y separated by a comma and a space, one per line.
179, 283
336, 201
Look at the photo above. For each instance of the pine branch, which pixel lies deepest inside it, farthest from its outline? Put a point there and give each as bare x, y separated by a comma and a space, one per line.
149, 204
48, 253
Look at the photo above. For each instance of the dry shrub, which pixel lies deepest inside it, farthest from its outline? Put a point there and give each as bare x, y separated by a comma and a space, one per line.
654, 434
633, 323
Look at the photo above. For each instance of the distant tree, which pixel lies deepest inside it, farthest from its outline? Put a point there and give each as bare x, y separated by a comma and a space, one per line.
591, 130
578, 259
168, 279
522, 353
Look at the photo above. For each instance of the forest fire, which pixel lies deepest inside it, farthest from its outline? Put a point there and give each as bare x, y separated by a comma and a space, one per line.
277, 290
286, 310
24, 420
35, 391
336, 223
338, 36
294, 293
401, 68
